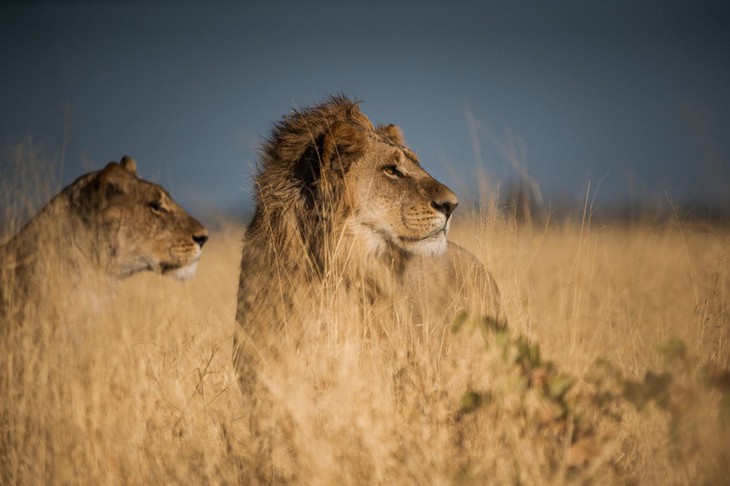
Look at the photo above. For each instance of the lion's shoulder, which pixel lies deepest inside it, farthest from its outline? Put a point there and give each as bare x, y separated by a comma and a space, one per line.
453, 281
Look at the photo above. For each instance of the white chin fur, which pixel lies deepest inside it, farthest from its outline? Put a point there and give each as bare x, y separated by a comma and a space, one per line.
377, 243
434, 246
186, 272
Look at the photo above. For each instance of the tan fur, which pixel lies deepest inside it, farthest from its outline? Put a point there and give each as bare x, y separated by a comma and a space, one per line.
108, 224
347, 224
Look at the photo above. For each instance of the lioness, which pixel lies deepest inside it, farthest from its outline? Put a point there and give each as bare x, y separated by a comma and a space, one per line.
348, 225
107, 224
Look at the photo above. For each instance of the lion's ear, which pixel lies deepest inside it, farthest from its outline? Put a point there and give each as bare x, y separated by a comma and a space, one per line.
129, 164
342, 144
113, 179
393, 133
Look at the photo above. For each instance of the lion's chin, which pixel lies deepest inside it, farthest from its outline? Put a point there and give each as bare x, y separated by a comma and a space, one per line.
186, 272
378, 241
180, 273
433, 245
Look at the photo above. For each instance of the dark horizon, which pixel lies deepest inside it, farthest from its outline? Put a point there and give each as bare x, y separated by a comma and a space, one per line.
631, 98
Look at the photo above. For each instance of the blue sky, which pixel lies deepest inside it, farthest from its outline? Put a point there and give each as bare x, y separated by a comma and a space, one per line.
634, 93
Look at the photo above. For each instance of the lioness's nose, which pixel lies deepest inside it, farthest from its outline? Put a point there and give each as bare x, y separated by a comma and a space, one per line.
201, 238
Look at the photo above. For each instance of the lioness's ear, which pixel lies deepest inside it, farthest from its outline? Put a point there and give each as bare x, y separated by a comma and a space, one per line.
129, 164
342, 144
393, 133
113, 179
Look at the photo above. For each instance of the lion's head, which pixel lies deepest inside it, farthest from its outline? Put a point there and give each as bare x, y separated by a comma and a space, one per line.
106, 225
329, 168
137, 225
393, 200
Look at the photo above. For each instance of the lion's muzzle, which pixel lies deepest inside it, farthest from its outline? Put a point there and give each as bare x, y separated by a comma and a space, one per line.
200, 238
442, 198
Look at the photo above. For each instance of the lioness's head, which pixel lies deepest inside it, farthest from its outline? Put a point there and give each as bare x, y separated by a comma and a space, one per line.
331, 158
138, 225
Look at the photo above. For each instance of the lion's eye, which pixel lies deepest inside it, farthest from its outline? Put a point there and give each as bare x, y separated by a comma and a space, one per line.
392, 171
157, 207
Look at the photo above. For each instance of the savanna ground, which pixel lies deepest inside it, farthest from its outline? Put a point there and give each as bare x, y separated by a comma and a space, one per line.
611, 370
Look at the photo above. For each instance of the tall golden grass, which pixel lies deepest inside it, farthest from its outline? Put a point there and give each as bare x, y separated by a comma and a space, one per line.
141, 389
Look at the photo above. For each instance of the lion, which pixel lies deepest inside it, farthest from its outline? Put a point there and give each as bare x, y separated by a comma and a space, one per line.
346, 222
105, 226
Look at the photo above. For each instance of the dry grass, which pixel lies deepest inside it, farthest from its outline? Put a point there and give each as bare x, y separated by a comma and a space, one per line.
142, 390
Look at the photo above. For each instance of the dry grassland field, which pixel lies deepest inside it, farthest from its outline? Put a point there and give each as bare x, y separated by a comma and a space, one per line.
612, 368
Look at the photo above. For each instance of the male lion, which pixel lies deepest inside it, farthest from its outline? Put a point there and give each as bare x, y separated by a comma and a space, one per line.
348, 226
107, 224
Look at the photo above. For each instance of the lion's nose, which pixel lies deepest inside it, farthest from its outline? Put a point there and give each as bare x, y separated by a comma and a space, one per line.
446, 206
442, 198
200, 239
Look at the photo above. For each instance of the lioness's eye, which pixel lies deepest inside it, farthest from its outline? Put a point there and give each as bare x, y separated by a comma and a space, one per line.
156, 206
392, 171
